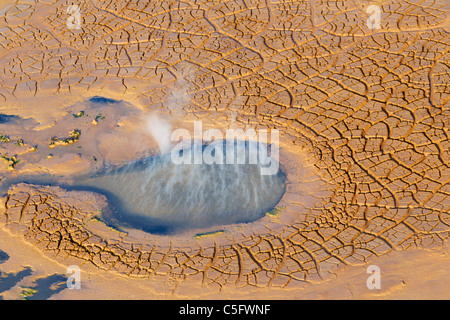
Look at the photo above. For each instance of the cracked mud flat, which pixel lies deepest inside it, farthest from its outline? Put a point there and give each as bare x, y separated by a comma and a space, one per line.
363, 118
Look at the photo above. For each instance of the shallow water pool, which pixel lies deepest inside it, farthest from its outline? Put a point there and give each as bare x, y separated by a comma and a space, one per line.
156, 195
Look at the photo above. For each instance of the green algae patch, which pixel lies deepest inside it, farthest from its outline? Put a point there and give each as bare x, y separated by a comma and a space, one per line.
274, 212
56, 142
208, 234
27, 292
78, 115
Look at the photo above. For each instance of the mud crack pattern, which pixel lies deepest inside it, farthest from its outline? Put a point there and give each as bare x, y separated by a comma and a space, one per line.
372, 106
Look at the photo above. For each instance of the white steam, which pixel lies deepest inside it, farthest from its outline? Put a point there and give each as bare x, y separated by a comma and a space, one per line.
161, 131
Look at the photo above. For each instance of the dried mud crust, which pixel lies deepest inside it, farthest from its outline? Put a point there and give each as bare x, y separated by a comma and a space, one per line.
370, 106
